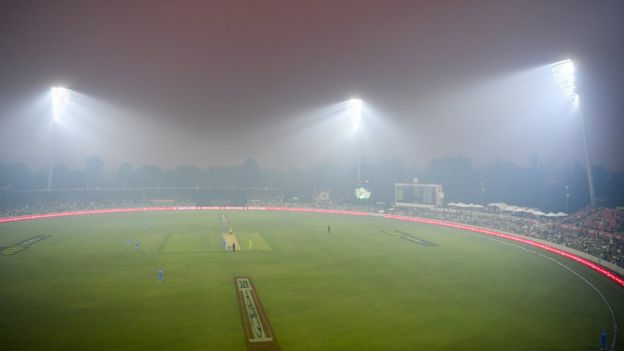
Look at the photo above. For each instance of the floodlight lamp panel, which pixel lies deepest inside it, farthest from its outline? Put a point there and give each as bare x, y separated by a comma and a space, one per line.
355, 102
564, 73
60, 98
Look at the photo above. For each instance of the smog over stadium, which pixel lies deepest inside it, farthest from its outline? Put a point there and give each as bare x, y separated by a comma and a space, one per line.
216, 82
269, 175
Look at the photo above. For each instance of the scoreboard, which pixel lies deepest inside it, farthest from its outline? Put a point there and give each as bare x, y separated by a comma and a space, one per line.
418, 195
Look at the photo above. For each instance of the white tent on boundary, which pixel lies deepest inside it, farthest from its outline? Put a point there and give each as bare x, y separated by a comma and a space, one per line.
501, 206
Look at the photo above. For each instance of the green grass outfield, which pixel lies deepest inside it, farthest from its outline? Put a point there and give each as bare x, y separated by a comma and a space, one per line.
355, 288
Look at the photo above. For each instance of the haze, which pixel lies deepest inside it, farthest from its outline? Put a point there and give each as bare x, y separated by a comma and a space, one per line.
215, 83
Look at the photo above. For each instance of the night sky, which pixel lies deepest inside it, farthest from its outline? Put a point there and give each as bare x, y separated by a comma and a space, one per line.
215, 82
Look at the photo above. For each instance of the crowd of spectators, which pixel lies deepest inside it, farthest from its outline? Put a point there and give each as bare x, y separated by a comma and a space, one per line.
22, 203
603, 219
598, 232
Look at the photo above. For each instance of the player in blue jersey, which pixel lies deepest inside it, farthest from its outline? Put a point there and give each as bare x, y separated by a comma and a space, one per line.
603, 339
161, 275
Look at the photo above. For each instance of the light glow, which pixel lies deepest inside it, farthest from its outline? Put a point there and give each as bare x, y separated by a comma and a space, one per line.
355, 113
362, 193
564, 74
60, 98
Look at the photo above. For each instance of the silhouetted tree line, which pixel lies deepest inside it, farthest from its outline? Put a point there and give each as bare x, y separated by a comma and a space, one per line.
543, 187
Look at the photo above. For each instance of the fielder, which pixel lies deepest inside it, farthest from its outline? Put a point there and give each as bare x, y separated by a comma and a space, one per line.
161, 275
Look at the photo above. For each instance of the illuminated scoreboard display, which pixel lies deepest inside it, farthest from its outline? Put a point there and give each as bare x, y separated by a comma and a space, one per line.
418, 195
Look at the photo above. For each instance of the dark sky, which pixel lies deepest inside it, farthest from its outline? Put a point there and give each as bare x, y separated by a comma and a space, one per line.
216, 82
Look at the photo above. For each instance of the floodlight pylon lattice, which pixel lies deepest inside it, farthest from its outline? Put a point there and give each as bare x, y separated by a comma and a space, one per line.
564, 72
60, 99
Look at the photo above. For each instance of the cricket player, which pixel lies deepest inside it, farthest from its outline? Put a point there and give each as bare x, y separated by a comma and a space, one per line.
161, 275
136, 245
603, 339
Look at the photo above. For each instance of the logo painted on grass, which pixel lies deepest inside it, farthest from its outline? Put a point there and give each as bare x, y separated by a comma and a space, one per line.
11, 250
258, 332
409, 237
22, 245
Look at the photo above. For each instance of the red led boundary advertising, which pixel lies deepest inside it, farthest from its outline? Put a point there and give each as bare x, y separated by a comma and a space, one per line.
607, 273
173, 208
82, 213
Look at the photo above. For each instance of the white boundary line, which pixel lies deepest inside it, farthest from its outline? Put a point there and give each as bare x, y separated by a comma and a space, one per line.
604, 299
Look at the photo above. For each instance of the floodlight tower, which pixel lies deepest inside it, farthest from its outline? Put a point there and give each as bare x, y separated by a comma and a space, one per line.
355, 115
564, 73
60, 98
567, 189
